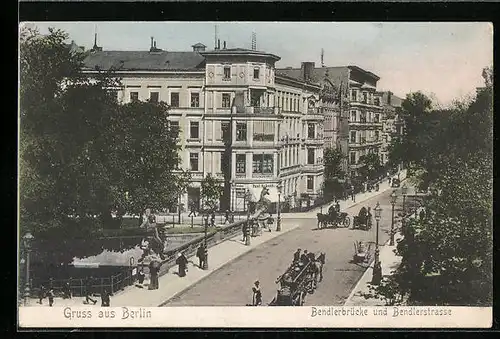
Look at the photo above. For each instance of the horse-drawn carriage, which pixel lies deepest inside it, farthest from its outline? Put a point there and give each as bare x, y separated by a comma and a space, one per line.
333, 218
363, 220
299, 279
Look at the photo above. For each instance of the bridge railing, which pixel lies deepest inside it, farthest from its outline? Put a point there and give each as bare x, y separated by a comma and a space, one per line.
189, 248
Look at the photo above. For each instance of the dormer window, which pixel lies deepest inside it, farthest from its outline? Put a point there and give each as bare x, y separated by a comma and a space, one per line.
227, 73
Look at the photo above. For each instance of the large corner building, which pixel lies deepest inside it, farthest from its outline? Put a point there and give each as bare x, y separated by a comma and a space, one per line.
237, 118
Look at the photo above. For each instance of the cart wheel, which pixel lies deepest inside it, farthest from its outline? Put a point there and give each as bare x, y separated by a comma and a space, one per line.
347, 222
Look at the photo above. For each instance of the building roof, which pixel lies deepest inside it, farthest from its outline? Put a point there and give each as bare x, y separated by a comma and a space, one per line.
359, 69
144, 60
241, 51
319, 73
198, 44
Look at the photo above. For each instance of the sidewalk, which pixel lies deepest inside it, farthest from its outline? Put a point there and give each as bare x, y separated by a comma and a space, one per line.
389, 262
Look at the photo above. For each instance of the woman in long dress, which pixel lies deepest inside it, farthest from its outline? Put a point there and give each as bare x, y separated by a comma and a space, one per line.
182, 262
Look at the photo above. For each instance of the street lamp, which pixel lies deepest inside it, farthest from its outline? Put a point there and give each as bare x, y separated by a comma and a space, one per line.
27, 240
205, 262
321, 201
404, 190
394, 197
247, 228
278, 222
377, 268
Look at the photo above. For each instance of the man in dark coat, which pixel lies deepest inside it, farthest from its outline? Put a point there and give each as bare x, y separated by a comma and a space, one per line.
182, 262
88, 290
304, 257
51, 296
296, 255
200, 253
105, 298
67, 290
154, 268
41, 294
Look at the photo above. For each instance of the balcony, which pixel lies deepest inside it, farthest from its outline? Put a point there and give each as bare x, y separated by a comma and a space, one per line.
258, 110
314, 141
313, 168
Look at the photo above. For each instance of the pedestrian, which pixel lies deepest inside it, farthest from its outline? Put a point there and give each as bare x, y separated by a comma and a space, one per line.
304, 257
246, 231
41, 294
182, 262
226, 217
353, 196
67, 289
105, 298
369, 218
296, 255
50, 294
88, 290
212, 219
201, 256
141, 276
154, 268
257, 294
193, 210
337, 207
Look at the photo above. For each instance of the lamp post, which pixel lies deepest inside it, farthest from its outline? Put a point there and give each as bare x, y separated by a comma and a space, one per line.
394, 197
27, 240
278, 222
205, 262
377, 268
321, 201
404, 190
247, 227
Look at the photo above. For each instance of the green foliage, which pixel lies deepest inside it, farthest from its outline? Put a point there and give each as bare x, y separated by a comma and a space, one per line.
332, 187
447, 253
211, 191
82, 154
371, 166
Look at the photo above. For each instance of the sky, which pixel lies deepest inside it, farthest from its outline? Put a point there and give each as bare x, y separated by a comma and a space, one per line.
444, 60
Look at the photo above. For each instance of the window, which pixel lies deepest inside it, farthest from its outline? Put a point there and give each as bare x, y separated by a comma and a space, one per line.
226, 100
194, 130
310, 156
353, 136
377, 101
256, 72
154, 96
377, 135
241, 163
221, 162
174, 99
263, 130
263, 163
134, 96
353, 116
195, 99
310, 131
377, 118
354, 95
193, 161
174, 127
241, 131
365, 97
227, 73
353, 158
310, 183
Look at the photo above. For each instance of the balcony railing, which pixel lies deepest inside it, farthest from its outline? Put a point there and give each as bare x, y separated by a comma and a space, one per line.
257, 110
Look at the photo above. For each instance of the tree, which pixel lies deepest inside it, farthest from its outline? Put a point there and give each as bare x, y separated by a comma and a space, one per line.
447, 253
371, 166
211, 192
332, 187
82, 154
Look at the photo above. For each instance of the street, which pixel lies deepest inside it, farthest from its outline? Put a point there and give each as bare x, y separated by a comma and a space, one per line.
231, 285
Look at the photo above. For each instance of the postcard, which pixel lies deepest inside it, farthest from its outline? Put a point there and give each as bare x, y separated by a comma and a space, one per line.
255, 174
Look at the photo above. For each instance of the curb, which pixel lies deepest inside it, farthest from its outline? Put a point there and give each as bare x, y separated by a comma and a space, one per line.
163, 303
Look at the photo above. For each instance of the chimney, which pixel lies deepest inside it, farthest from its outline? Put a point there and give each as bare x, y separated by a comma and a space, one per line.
307, 70
154, 45
224, 44
218, 43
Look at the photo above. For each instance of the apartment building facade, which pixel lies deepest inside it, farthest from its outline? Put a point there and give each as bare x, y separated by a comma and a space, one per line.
393, 124
353, 119
237, 119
